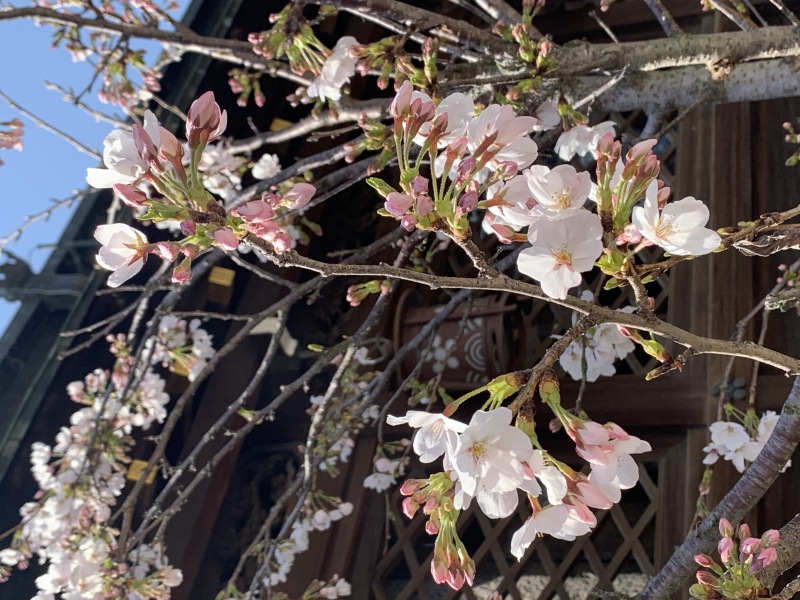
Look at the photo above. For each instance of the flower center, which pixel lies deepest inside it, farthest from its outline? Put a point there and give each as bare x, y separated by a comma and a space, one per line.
664, 228
478, 450
563, 199
562, 256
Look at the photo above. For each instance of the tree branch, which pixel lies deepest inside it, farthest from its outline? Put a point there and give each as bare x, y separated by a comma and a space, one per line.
503, 283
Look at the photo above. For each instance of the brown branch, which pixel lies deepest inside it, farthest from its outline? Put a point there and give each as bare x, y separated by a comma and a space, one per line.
503, 283
424, 20
371, 109
665, 19
549, 359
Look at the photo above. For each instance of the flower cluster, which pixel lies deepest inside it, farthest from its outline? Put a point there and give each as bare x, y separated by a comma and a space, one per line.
490, 460
183, 175
743, 557
80, 478
600, 347
741, 441
183, 348
319, 513
337, 70
386, 470
11, 138
470, 154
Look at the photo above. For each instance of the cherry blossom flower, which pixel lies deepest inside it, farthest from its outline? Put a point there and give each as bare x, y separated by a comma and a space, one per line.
121, 157
518, 202
337, 71
560, 251
510, 135
547, 520
559, 192
582, 140
267, 166
679, 228
459, 109
122, 252
430, 442
487, 459
547, 115
729, 435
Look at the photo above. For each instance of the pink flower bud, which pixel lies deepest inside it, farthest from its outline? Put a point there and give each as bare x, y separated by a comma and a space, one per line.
503, 232
281, 242
190, 250
409, 222
170, 148
750, 545
130, 195
431, 527
770, 538
439, 570
455, 577
409, 487
765, 558
397, 204
205, 121
458, 146
424, 205
705, 578
641, 151
299, 195
704, 560
744, 531
725, 547
254, 211
188, 227
401, 102
465, 168
410, 507
225, 238
168, 250
725, 527
507, 169
468, 202
420, 185
144, 145
182, 273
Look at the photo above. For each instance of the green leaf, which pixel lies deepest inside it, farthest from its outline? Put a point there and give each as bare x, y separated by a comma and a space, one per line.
380, 186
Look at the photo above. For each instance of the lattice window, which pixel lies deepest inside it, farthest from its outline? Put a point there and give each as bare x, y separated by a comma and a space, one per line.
618, 554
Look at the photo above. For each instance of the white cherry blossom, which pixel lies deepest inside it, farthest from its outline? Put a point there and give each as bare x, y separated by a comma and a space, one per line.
459, 109
121, 251
559, 192
582, 140
518, 209
430, 442
337, 70
548, 520
729, 435
679, 228
267, 166
560, 251
122, 160
487, 461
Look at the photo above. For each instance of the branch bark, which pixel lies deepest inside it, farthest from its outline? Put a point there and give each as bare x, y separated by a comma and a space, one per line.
503, 283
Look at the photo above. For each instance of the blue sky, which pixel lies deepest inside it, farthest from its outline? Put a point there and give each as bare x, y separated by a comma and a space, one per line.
48, 168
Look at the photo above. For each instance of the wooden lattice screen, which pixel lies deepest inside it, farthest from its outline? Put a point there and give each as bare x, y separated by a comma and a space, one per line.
619, 554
